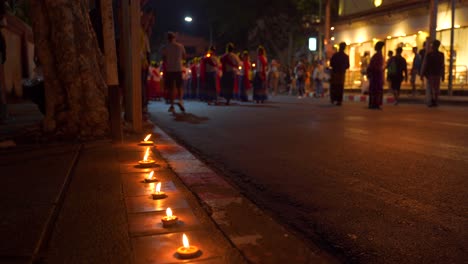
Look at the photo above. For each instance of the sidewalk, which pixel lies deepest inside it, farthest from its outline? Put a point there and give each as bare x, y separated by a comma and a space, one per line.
408, 99
88, 203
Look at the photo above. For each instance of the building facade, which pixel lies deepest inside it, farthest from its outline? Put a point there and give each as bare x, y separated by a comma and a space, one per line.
361, 23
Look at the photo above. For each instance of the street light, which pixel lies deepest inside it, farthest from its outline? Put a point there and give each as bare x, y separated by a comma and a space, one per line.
188, 19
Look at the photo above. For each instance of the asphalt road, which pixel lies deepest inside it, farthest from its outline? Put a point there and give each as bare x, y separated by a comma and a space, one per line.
373, 186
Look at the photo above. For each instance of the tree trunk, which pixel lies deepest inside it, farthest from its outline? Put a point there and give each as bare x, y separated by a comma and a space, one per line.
75, 87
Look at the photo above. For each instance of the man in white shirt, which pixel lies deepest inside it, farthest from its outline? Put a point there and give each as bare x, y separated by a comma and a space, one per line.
173, 56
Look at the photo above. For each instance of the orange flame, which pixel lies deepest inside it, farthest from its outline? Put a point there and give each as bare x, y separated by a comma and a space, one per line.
145, 158
185, 241
150, 175
208, 55
158, 187
147, 137
169, 212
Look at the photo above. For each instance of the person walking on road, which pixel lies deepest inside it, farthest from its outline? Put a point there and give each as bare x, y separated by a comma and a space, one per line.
397, 72
434, 71
339, 63
173, 56
230, 62
415, 69
375, 73
259, 83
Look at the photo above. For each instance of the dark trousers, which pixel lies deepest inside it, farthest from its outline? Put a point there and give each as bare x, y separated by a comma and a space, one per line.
337, 87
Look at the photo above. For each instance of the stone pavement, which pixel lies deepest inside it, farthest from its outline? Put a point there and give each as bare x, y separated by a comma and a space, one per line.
88, 203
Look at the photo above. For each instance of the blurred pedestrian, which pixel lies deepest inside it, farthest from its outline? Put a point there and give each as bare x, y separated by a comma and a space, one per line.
193, 86
319, 77
300, 74
153, 82
434, 71
259, 82
230, 63
415, 69
244, 80
208, 74
389, 58
274, 75
375, 73
173, 56
339, 63
397, 72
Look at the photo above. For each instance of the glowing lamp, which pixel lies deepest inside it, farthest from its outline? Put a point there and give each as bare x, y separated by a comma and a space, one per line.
169, 220
150, 178
147, 162
146, 141
187, 251
157, 194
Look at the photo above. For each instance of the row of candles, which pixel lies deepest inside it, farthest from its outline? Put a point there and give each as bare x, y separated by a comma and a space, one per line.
186, 251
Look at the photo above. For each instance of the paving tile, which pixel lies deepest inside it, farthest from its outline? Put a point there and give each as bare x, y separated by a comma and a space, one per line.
189, 166
150, 223
162, 248
141, 204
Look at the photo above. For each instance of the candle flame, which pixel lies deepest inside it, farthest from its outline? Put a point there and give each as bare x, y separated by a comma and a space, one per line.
185, 241
208, 55
169, 212
253, 64
145, 158
147, 137
240, 67
158, 187
150, 175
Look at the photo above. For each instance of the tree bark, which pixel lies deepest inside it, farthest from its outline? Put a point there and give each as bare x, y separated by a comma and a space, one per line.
75, 87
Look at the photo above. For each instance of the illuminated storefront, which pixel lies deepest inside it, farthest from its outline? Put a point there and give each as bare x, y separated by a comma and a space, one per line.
406, 28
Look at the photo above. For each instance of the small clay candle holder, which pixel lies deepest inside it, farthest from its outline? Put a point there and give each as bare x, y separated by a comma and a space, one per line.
157, 194
146, 141
169, 220
187, 251
151, 178
147, 162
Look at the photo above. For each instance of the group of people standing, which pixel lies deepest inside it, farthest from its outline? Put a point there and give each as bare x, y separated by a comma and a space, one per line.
431, 69
208, 78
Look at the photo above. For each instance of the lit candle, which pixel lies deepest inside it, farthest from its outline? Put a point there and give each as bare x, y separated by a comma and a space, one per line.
157, 193
208, 55
169, 220
147, 142
240, 67
147, 162
253, 65
151, 178
187, 251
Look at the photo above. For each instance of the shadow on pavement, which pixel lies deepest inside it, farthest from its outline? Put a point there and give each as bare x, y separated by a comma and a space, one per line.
190, 118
